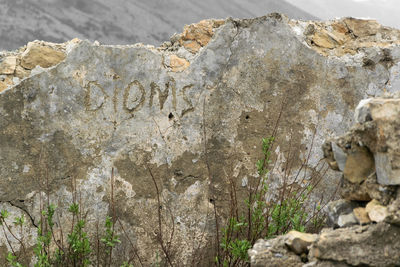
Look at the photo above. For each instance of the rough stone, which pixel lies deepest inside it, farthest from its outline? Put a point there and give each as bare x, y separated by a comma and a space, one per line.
339, 156
104, 107
320, 263
346, 220
325, 39
367, 244
177, 64
394, 210
361, 215
8, 65
197, 35
376, 212
298, 242
273, 253
371, 245
383, 113
329, 156
347, 36
39, 54
372, 151
362, 28
5, 82
21, 73
338, 208
355, 172
357, 192
384, 170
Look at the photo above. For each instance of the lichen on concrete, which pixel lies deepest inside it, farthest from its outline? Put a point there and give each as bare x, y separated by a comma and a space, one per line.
193, 111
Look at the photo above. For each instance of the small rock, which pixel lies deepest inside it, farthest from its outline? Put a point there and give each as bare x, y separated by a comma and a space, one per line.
311, 264
329, 155
355, 192
387, 175
197, 35
361, 215
262, 244
298, 242
178, 64
15, 80
192, 46
339, 155
167, 44
5, 81
362, 27
7, 65
362, 112
21, 73
347, 220
42, 55
325, 39
376, 212
354, 171
382, 138
337, 208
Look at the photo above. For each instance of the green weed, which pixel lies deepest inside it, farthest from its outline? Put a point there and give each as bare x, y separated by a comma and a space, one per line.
264, 219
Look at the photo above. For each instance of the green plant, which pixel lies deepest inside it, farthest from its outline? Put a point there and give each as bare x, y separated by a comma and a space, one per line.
12, 257
50, 250
44, 232
237, 247
78, 241
126, 264
12, 260
263, 219
157, 262
110, 239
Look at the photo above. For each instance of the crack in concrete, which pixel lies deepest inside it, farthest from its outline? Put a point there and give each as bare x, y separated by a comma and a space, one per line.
21, 207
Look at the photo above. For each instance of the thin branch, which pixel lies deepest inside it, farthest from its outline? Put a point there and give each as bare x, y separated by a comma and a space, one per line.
5, 234
16, 238
134, 249
113, 212
173, 228
160, 237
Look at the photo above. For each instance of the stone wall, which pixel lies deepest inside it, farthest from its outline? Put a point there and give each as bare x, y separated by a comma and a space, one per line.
192, 112
365, 223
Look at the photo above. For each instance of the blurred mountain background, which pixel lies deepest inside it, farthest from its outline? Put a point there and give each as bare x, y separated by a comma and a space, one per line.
154, 21
385, 11
120, 21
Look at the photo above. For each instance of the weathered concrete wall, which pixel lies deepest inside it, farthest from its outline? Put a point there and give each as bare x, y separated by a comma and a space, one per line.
193, 111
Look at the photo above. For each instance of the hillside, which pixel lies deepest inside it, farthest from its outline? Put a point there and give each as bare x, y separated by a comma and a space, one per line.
120, 21
385, 11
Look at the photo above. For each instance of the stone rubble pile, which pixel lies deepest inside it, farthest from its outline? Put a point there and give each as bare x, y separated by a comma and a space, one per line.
348, 36
365, 223
18, 65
